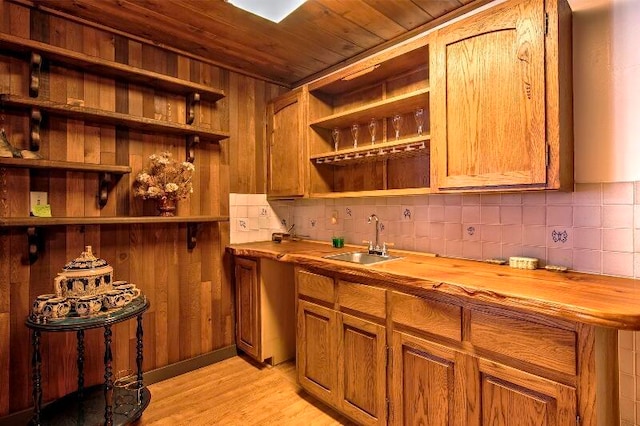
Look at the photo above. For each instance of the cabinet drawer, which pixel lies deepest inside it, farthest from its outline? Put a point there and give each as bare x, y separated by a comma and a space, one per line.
315, 286
362, 298
524, 340
439, 318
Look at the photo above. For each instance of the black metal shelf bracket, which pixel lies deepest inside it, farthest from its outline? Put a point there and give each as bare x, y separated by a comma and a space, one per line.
34, 240
34, 76
192, 100
104, 185
192, 143
34, 134
192, 235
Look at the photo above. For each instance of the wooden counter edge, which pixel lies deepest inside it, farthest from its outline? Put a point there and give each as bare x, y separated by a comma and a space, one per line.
309, 254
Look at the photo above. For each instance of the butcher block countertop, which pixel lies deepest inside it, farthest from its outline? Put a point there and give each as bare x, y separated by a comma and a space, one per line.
591, 299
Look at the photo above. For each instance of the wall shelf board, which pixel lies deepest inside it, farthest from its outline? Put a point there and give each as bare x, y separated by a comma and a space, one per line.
113, 118
63, 165
7, 222
110, 68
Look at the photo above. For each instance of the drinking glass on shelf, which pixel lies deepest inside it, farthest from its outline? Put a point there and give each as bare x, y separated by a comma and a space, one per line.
354, 133
372, 130
335, 134
397, 120
419, 116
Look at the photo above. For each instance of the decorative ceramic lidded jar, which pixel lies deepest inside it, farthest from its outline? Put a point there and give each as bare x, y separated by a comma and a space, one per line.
84, 276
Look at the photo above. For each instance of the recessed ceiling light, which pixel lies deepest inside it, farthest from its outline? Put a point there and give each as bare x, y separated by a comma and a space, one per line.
273, 10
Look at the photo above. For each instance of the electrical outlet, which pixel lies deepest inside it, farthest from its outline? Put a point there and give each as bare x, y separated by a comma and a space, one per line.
334, 217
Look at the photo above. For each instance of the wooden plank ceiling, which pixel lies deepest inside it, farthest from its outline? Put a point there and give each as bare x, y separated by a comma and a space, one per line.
316, 37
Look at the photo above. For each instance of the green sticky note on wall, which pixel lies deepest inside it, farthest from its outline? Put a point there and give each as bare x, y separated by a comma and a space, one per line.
42, 210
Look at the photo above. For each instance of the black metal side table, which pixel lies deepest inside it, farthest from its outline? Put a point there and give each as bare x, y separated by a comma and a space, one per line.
89, 406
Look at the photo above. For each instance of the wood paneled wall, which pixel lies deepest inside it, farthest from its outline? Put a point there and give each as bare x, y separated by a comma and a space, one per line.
190, 291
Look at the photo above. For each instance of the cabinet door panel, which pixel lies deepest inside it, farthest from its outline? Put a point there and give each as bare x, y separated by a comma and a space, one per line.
315, 356
505, 404
247, 307
286, 147
489, 88
362, 369
423, 382
512, 397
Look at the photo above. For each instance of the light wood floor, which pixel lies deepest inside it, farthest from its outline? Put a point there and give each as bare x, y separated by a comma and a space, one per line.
236, 392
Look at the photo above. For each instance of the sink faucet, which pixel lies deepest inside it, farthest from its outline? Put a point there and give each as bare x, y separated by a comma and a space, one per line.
375, 249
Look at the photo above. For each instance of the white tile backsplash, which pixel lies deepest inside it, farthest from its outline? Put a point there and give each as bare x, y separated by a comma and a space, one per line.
595, 229
591, 229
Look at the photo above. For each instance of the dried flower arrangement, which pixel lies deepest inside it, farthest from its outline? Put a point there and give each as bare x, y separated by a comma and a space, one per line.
166, 179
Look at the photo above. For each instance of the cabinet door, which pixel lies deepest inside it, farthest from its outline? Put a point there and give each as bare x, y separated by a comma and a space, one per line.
247, 307
422, 391
512, 397
362, 370
285, 171
316, 350
488, 89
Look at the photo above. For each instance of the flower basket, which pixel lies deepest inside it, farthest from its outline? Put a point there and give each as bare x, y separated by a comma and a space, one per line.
166, 181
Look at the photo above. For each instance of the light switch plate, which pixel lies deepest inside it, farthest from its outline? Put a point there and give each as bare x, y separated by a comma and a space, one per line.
38, 198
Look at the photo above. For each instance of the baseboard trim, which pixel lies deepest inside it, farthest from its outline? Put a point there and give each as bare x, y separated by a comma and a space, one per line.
182, 367
154, 376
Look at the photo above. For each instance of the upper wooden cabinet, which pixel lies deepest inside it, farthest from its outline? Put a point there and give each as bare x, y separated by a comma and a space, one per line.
495, 91
501, 99
285, 133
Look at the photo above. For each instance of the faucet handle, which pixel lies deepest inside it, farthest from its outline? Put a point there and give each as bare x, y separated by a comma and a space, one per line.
385, 247
369, 244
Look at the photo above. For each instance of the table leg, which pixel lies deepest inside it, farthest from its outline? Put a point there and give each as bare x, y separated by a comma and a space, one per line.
139, 335
108, 377
80, 335
36, 362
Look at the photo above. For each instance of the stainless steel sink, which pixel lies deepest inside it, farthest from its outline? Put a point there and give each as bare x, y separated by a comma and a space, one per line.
361, 257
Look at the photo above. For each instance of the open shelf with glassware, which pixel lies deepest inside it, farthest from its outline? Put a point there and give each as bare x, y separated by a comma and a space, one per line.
369, 126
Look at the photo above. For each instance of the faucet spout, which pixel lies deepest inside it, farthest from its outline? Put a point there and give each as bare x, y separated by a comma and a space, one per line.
376, 248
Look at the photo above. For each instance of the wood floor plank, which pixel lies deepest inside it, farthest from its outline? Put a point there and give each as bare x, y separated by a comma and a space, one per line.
236, 391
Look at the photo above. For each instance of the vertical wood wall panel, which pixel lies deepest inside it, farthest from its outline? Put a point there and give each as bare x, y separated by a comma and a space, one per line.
190, 290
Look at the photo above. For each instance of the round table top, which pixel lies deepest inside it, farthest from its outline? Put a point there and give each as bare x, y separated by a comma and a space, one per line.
101, 319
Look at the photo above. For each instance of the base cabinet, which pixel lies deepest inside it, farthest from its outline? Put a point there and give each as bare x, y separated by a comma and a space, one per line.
265, 312
247, 307
380, 357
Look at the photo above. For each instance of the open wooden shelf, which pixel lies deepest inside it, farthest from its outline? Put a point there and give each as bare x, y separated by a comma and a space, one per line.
7, 222
113, 118
110, 68
384, 108
380, 151
379, 67
63, 165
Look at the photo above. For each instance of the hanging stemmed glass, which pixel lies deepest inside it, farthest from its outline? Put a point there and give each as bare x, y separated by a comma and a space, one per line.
354, 133
335, 134
373, 124
397, 120
419, 116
